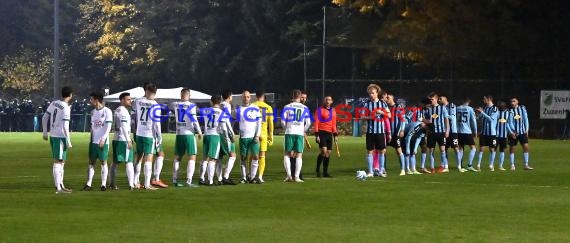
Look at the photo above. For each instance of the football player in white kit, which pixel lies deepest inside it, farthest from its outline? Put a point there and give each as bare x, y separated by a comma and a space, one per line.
148, 134
122, 142
58, 115
187, 128
101, 122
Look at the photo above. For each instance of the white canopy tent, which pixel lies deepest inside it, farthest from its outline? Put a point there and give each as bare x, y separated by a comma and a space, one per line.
162, 95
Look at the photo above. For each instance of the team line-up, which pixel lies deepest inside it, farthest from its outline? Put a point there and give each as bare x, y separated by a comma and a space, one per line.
434, 121
159, 113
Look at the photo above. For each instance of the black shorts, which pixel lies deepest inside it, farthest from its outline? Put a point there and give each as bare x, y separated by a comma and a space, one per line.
452, 141
465, 139
396, 142
436, 137
522, 138
325, 140
375, 141
487, 141
502, 144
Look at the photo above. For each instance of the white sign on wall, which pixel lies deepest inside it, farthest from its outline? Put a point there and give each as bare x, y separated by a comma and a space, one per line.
554, 103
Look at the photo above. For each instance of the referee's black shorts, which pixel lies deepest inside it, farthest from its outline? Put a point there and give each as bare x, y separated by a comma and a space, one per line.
375, 141
434, 138
325, 140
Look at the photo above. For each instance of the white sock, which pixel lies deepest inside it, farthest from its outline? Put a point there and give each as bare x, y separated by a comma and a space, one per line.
137, 178
113, 173
287, 164
203, 170
130, 174
243, 167
424, 155
90, 174
104, 173
480, 158
158, 167
190, 171
219, 171
458, 156
471, 157
413, 162
175, 168
298, 166
211, 171
254, 166
525, 156
402, 159
512, 157
62, 174
432, 160
501, 159
57, 174
147, 173
229, 167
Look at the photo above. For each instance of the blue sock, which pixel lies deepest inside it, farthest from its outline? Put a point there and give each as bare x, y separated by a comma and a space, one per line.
480, 158
402, 162
370, 161
382, 158
458, 156
525, 155
424, 160
471, 157
512, 156
432, 160
413, 162
407, 162
444, 159
492, 158
501, 159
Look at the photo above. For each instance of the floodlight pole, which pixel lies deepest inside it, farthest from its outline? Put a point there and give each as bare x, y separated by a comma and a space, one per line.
55, 48
324, 51
305, 65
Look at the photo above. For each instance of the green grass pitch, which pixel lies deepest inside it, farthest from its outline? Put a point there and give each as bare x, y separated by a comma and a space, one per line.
520, 206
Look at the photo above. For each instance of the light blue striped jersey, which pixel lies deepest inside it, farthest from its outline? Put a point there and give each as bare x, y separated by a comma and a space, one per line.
437, 115
505, 123
490, 115
398, 120
520, 119
376, 125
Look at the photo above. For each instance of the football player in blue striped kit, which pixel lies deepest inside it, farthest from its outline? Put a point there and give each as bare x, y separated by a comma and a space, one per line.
437, 115
414, 134
489, 116
466, 131
504, 129
377, 114
421, 108
416, 114
453, 140
397, 128
521, 125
